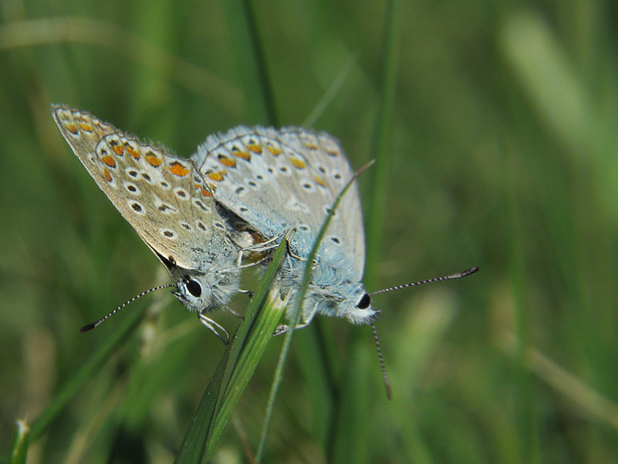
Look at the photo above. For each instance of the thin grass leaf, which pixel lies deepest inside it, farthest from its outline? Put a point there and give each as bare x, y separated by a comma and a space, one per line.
351, 418
194, 442
270, 313
21, 440
331, 92
251, 61
85, 373
296, 314
527, 413
382, 138
235, 369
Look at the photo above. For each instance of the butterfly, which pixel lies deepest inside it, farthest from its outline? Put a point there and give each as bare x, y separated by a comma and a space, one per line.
276, 180
170, 205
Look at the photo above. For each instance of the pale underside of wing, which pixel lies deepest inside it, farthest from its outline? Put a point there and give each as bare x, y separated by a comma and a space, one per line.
164, 198
277, 179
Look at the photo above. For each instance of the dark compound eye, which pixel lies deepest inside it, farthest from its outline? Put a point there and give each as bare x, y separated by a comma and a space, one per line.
194, 288
364, 302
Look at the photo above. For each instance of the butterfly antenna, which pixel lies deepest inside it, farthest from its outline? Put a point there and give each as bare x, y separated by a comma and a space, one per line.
459, 275
387, 382
91, 326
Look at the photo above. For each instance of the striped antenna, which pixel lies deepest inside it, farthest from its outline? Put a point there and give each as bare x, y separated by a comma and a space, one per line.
387, 382
459, 275
91, 326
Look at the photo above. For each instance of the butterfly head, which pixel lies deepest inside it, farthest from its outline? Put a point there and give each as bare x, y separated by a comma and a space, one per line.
346, 299
205, 288
201, 291
358, 308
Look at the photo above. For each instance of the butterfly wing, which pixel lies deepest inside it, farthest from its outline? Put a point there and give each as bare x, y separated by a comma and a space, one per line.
275, 180
164, 198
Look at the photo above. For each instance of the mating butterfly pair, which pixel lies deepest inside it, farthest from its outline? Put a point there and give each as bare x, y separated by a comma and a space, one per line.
238, 194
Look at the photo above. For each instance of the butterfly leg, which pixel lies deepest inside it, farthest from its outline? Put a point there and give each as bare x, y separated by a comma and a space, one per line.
280, 329
229, 310
258, 248
249, 293
283, 328
300, 258
268, 244
294, 255
213, 327
243, 266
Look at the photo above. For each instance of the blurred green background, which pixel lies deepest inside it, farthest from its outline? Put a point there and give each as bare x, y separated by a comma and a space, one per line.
502, 154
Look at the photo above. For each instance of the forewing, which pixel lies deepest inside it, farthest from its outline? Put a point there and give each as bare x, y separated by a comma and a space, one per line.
164, 198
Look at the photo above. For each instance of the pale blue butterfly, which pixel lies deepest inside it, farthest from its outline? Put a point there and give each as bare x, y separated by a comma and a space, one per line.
275, 180
248, 186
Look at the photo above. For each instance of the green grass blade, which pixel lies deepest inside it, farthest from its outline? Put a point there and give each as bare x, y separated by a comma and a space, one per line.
330, 93
21, 440
297, 311
382, 137
251, 61
235, 369
351, 419
194, 442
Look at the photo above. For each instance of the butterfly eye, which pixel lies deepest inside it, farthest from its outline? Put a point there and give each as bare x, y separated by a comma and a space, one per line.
194, 288
364, 302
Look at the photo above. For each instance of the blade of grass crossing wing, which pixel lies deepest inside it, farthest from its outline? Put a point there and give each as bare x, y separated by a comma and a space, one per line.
235, 369
298, 299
